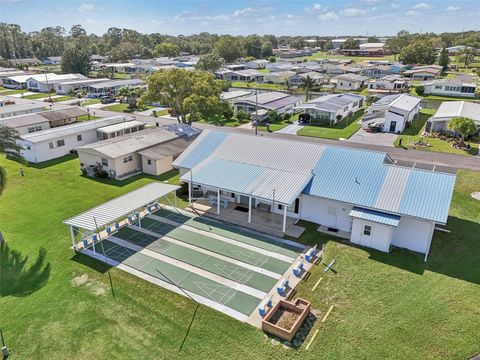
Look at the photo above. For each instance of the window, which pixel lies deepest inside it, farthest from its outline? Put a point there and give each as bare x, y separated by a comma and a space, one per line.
79, 137
280, 207
367, 230
149, 162
50, 145
38, 128
130, 158
60, 142
125, 159
104, 162
31, 129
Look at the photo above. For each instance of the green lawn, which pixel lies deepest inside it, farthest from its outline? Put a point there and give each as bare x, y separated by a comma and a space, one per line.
358, 59
253, 85
13, 92
386, 306
414, 132
91, 102
37, 96
279, 125
87, 118
116, 107
63, 98
344, 129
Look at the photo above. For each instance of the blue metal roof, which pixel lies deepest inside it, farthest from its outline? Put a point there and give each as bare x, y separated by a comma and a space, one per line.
358, 177
375, 216
201, 149
348, 175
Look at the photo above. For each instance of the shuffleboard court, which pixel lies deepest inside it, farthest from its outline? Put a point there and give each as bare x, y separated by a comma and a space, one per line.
232, 232
218, 246
198, 259
215, 291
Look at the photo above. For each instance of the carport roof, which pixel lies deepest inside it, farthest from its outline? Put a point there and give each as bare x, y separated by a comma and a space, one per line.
121, 206
375, 216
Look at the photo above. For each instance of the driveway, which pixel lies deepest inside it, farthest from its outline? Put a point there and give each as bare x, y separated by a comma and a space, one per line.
290, 129
363, 137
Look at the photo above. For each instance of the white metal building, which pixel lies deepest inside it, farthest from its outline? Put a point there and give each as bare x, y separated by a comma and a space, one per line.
19, 109
451, 109
56, 142
362, 193
28, 123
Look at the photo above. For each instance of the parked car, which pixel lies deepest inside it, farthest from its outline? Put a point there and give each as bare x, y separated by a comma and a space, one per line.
107, 99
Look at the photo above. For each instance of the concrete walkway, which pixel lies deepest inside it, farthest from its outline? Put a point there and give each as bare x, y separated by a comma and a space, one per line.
149, 112
291, 129
363, 137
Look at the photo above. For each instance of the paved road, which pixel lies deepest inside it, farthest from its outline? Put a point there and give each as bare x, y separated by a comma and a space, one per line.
361, 136
403, 156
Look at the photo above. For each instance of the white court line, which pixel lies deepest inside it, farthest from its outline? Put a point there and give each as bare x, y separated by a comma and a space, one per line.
213, 254
198, 298
193, 269
230, 241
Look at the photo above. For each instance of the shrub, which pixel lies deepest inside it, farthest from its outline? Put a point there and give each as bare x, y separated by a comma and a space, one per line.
242, 115
420, 89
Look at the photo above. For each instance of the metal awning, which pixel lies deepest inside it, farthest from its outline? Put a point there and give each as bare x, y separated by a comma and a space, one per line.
121, 206
375, 216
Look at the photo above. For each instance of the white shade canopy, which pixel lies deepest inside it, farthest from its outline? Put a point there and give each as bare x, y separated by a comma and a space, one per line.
121, 206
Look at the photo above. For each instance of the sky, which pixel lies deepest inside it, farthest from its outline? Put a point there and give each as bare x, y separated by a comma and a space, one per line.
280, 17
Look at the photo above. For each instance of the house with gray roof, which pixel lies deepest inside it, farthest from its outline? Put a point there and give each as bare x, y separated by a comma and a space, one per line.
332, 108
277, 101
360, 194
350, 81
452, 109
111, 87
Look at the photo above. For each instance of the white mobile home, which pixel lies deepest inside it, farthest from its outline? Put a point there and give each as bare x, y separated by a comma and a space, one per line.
57, 142
452, 109
25, 124
359, 193
46, 82
151, 151
450, 87
332, 108
280, 102
350, 81
111, 87
19, 109
396, 112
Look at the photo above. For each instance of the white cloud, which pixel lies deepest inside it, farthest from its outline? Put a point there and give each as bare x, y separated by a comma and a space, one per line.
452, 8
156, 22
371, 2
351, 12
245, 11
412, 13
331, 15
395, 6
86, 8
422, 6
317, 6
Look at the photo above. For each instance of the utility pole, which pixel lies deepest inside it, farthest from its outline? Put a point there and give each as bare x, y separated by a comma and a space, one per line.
46, 80
256, 111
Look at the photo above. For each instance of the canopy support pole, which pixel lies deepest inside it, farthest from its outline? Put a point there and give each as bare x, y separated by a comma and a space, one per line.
72, 234
190, 193
284, 228
249, 209
218, 201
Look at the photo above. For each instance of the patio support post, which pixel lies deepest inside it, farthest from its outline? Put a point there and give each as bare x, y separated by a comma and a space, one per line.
249, 209
72, 234
284, 228
218, 201
190, 193
175, 199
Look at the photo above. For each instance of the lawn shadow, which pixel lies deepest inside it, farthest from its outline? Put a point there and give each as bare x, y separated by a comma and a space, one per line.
16, 277
53, 162
92, 263
120, 183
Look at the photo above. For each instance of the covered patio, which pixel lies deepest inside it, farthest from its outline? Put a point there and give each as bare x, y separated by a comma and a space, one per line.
259, 220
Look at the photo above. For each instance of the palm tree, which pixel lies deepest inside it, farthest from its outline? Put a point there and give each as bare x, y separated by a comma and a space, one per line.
307, 85
9, 148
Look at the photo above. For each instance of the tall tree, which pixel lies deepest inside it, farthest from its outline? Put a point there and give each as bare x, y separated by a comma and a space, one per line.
444, 59
189, 93
307, 84
228, 48
351, 43
421, 51
9, 148
77, 30
76, 58
464, 126
209, 62
166, 49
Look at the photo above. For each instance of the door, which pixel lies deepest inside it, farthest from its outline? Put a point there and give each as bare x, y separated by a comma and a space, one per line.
393, 125
243, 200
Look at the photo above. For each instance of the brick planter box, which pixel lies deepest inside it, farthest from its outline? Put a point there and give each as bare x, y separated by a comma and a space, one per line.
285, 318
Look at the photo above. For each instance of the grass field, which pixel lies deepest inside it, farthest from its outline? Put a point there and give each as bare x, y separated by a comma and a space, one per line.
55, 305
344, 129
87, 118
12, 91
414, 132
91, 102
63, 98
253, 85
116, 107
37, 96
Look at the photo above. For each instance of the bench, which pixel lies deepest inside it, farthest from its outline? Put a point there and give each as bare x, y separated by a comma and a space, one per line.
311, 254
298, 268
282, 287
265, 305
